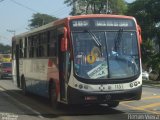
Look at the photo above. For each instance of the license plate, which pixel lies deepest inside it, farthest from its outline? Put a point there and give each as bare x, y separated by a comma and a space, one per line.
119, 87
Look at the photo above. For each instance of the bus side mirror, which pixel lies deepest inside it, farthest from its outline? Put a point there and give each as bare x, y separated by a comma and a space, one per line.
64, 41
139, 34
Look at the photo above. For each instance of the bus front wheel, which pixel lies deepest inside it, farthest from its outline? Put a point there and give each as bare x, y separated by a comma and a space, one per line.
113, 104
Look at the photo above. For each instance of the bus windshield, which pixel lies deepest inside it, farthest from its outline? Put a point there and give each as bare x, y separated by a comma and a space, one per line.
115, 57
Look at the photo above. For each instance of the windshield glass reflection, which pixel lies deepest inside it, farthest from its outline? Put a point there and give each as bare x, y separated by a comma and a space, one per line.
116, 57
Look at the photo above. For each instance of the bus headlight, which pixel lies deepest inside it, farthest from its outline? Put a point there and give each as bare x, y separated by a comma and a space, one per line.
131, 85
135, 83
80, 86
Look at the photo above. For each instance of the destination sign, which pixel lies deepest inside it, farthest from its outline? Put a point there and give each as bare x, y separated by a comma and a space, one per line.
102, 22
80, 23
114, 23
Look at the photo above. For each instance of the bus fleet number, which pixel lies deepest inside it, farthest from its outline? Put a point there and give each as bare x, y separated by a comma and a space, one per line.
119, 87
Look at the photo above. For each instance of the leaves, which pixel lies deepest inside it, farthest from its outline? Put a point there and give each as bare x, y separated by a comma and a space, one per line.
96, 6
147, 13
40, 19
5, 48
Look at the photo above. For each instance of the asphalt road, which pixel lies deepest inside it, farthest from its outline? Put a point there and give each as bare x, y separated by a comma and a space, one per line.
15, 106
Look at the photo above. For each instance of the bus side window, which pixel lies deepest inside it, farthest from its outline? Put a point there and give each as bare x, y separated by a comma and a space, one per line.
25, 47
33, 46
30, 47
42, 44
52, 43
20, 48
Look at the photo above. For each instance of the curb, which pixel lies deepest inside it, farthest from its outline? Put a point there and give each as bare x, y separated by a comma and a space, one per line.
151, 86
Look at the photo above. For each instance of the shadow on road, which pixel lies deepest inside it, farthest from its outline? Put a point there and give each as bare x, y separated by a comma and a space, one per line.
34, 105
43, 107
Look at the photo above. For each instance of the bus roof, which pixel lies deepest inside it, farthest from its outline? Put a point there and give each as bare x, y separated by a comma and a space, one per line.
100, 16
62, 21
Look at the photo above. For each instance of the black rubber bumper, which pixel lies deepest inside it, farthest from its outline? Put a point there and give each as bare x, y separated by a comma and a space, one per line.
79, 97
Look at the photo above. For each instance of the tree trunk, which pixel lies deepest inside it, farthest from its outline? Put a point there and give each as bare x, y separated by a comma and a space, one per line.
158, 79
87, 8
94, 8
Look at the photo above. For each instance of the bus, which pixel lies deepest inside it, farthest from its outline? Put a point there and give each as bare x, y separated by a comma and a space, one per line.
85, 59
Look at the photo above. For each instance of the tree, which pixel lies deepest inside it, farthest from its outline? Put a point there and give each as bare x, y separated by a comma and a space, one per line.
96, 6
40, 19
147, 13
5, 48
138, 9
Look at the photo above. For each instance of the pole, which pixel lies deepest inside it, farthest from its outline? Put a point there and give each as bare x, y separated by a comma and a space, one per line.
107, 11
74, 7
12, 31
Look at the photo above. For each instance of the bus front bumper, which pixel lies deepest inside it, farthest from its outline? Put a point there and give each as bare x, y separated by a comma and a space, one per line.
81, 97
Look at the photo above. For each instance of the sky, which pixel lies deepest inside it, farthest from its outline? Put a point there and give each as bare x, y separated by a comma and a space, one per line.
15, 15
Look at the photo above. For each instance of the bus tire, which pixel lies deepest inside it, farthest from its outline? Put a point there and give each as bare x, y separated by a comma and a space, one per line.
113, 104
53, 96
23, 86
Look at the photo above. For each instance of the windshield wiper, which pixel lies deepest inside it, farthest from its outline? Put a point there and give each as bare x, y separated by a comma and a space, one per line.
118, 39
96, 40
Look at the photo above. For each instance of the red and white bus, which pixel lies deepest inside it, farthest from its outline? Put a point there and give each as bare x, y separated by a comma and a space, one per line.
87, 59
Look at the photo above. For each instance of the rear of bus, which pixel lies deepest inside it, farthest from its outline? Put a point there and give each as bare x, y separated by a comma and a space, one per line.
106, 66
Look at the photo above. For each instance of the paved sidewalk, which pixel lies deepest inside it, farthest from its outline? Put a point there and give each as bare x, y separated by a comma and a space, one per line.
8, 85
151, 83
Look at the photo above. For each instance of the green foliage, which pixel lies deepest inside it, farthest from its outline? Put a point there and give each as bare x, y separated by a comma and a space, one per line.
154, 62
40, 19
96, 6
148, 51
118, 6
5, 48
138, 9
147, 12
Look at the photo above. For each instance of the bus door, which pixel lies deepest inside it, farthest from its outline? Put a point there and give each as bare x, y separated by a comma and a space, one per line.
63, 69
